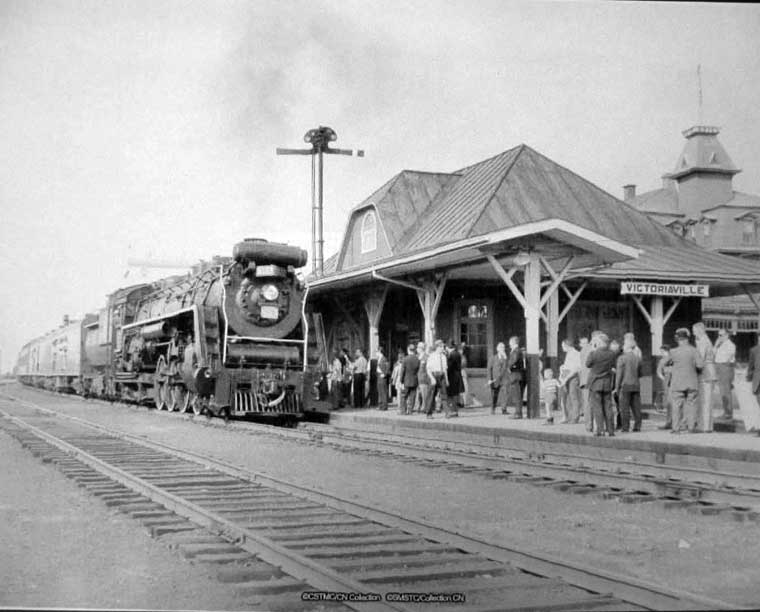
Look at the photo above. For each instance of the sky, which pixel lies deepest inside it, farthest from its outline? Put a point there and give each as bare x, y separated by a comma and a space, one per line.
147, 128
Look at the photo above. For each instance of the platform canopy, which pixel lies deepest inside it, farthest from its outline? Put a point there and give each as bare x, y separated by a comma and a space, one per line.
556, 240
687, 263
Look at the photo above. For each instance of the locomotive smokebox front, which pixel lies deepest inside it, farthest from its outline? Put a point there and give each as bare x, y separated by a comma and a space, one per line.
264, 298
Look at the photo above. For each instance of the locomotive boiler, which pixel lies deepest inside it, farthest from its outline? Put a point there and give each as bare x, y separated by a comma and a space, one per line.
229, 339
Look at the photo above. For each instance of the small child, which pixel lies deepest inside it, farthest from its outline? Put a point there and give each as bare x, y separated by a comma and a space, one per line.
549, 392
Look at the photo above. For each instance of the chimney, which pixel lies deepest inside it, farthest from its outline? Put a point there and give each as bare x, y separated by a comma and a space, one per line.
629, 193
65, 320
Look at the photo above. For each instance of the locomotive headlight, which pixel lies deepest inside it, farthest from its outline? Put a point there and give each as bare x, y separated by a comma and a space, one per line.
270, 292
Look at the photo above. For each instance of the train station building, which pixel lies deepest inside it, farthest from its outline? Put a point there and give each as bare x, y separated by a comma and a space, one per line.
513, 245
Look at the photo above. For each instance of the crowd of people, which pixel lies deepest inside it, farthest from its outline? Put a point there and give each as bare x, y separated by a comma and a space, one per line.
601, 381
426, 379
598, 381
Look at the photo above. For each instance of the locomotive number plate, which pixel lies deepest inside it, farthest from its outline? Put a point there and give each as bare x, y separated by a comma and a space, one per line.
270, 312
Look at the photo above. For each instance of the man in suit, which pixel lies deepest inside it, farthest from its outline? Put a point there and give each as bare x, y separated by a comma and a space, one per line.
454, 374
497, 376
437, 369
383, 368
359, 369
753, 371
686, 363
586, 349
516, 367
601, 363
409, 369
627, 387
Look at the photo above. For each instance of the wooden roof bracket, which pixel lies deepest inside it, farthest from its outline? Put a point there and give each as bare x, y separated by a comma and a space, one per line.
506, 276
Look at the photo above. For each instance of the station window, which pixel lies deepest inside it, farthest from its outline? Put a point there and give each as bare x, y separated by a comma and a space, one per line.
369, 232
475, 322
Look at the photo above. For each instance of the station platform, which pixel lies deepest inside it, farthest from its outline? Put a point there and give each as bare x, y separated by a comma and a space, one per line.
728, 454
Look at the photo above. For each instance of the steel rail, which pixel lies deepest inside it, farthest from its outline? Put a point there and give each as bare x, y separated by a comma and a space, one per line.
658, 481
654, 483
298, 566
625, 588
564, 455
503, 453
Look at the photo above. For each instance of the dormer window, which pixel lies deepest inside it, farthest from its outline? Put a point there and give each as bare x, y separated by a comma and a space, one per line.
369, 232
677, 229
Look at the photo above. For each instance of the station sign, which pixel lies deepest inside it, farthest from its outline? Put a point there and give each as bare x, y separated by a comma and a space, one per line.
664, 289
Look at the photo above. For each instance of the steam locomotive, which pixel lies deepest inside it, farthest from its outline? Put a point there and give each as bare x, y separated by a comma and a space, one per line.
231, 339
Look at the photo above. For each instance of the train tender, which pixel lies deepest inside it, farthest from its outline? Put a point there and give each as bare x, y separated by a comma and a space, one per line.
231, 339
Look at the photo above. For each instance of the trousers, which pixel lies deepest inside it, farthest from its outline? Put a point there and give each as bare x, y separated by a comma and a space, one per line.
382, 393
572, 403
684, 406
588, 414
407, 400
495, 390
630, 401
725, 373
704, 418
601, 406
439, 388
359, 380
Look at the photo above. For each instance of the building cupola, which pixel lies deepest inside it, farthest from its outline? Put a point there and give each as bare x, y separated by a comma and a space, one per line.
704, 171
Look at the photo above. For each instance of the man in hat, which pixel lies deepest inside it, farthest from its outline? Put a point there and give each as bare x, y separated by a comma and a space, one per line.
409, 370
498, 374
382, 370
686, 363
601, 365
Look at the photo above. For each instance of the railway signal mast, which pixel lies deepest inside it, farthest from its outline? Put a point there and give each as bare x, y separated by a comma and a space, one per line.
319, 139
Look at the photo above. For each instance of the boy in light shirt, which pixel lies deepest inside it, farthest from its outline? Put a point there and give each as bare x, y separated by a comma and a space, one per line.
549, 392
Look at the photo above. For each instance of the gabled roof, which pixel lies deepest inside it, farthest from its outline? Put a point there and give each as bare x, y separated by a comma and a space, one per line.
739, 201
398, 202
662, 201
522, 186
409, 194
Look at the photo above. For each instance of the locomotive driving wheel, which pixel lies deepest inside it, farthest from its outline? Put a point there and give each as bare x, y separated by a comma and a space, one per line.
179, 399
199, 404
161, 393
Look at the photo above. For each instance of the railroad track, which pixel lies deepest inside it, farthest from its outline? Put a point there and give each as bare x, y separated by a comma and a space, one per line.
727, 495
691, 490
289, 547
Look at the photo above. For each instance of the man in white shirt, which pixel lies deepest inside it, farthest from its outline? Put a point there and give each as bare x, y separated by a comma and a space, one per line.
569, 379
437, 369
360, 376
725, 360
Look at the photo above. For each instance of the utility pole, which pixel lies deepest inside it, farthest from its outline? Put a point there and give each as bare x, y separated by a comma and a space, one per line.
319, 139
